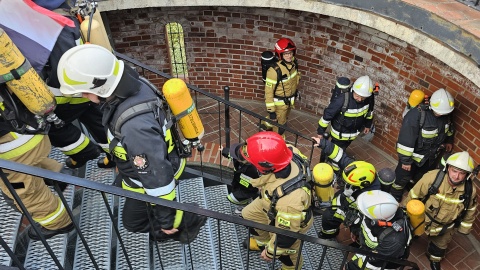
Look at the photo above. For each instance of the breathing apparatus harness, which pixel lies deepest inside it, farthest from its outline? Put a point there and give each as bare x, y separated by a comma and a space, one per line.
302, 180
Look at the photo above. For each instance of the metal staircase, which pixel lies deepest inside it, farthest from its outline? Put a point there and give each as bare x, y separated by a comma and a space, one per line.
93, 218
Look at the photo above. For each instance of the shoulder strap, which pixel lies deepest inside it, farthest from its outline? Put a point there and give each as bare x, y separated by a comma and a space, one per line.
467, 196
433, 189
286, 188
279, 75
346, 99
421, 122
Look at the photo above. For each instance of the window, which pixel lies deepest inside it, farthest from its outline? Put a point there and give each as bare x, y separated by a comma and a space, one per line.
176, 50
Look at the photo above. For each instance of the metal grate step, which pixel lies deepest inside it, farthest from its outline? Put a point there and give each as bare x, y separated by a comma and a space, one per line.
9, 223
333, 257
136, 244
37, 256
95, 221
172, 254
201, 252
230, 243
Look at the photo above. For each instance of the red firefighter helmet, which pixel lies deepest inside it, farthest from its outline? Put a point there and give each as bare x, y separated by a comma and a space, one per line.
267, 151
284, 45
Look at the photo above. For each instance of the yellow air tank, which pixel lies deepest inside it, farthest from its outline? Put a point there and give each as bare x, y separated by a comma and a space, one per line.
98, 34
20, 78
323, 178
416, 212
181, 103
416, 97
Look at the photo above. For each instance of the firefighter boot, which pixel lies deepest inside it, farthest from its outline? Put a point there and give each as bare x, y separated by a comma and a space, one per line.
191, 225
435, 265
106, 162
48, 233
253, 244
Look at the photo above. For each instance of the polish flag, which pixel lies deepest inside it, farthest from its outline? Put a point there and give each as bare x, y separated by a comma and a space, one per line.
33, 29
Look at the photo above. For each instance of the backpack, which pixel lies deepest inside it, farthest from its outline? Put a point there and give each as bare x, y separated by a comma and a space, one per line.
300, 181
269, 60
152, 106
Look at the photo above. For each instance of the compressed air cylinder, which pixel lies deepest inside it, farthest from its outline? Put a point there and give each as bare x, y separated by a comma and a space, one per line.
323, 177
181, 103
416, 213
20, 78
98, 34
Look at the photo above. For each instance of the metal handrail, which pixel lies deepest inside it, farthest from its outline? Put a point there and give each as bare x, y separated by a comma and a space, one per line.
100, 187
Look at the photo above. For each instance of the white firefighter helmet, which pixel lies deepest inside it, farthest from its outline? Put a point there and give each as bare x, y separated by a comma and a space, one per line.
89, 68
442, 102
461, 160
363, 86
377, 205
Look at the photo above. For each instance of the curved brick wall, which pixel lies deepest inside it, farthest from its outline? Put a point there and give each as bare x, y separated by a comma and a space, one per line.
224, 46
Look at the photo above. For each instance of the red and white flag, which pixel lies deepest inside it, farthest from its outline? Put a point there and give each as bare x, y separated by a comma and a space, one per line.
33, 29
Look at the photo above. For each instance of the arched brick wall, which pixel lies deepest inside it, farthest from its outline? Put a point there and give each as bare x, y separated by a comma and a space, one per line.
224, 46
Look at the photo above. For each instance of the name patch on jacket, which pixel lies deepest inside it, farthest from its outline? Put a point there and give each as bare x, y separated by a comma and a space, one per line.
140, 162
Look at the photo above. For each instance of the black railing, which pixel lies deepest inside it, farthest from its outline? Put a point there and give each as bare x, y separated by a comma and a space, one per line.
108, 189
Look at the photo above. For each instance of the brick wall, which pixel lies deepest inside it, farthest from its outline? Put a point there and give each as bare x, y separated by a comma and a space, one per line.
224, 46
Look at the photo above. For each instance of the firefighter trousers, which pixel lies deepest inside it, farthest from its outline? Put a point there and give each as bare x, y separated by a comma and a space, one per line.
403, 177
437, 245
45, 207
255, 212
70, 138
282, 112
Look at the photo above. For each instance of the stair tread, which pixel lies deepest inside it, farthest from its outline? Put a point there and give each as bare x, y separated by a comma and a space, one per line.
9, 223
37, 256
94, 221
230, 245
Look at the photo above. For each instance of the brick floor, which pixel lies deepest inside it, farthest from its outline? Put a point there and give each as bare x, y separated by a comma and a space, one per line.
463, 252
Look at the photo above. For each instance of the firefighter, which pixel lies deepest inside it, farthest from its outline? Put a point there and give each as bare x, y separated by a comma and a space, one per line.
450, 206
384, 230
423, 135
281, 84
349, 113
132, 114
76, 145
278, 164
359, 176
32, 149
242, 190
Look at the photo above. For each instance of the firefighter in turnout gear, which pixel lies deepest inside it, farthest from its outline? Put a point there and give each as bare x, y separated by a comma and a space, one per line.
384, 229
242, 190
450, 203
424, 133
133, 112
349, 113
281, 84
285, 208
69, 138
359, 176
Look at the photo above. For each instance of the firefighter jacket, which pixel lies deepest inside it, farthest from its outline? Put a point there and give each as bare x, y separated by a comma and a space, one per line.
416, 143
346, 123
443, 209
382, 238
145, 152
293, 209
276, 94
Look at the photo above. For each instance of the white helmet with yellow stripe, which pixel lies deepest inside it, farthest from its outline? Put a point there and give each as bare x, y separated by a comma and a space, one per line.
89, 68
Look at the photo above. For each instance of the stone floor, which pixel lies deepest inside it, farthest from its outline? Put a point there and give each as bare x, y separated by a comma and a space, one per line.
463, 252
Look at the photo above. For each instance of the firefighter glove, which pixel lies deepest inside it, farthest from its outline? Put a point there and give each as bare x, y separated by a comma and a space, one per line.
272, 115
